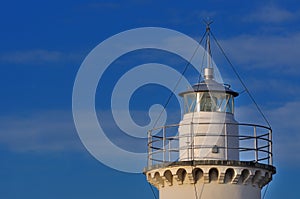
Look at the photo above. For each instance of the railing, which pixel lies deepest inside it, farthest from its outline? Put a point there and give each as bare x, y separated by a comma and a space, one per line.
254, 143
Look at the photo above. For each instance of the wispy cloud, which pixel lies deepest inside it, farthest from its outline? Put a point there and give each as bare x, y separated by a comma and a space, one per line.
31, 56
54, 131
191, 18
36, 56
273, 85
286, 125
286, 118
285, 122
278, 53
46, 131
270, 13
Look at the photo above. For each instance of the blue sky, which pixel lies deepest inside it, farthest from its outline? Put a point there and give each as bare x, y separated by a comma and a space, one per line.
43, 44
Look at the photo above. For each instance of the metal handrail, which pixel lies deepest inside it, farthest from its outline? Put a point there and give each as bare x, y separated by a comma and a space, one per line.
160, 142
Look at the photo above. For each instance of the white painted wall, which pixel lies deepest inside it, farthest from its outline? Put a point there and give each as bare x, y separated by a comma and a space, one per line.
210, 191
187, 131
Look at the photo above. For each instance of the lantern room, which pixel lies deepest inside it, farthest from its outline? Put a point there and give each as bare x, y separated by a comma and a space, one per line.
207, 129
209, 96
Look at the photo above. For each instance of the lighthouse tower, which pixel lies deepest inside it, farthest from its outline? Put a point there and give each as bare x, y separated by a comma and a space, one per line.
209, 155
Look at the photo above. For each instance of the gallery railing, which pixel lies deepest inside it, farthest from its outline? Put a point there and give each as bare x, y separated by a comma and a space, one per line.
254, 142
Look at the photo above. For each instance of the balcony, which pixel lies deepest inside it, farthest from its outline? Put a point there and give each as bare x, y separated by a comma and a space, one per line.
254, 144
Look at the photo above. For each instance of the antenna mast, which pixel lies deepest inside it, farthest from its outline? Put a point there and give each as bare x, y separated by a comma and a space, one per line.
208, 50
208, 70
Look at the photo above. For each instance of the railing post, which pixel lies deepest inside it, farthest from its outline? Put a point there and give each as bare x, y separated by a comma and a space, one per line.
149, 149
169, 150
255, 144
192, 141
164, 144
226, 141
270, 148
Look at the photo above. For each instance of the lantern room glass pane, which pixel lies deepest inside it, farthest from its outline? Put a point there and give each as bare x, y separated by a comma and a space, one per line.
189, 102
209, 102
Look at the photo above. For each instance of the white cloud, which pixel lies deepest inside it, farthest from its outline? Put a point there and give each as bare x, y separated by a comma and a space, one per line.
274, 89
52, 131
47, 131
271, 14
194, 17
286, 118
31, 56
286, 125
36, 56
285, 122
276, 53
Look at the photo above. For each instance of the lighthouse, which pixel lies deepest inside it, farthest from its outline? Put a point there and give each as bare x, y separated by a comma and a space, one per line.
209, 154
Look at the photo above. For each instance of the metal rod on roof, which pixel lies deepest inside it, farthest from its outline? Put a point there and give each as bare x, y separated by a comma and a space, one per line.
208, 70
208, 50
